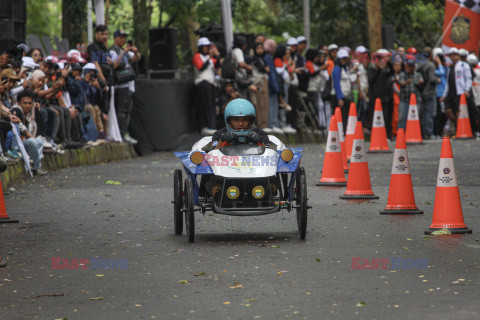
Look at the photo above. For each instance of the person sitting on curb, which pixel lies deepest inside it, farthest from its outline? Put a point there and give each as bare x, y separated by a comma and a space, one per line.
33, 146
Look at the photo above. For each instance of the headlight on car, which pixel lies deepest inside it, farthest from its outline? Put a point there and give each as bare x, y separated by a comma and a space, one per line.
233, 192
196, 157
286, 155
258, 192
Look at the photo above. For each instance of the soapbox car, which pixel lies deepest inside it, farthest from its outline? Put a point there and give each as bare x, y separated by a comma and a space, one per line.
239, 180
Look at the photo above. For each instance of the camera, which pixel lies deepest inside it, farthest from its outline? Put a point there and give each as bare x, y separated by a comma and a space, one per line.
15, 53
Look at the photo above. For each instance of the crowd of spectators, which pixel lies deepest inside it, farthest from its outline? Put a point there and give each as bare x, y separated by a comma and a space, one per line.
288, 80
64, 100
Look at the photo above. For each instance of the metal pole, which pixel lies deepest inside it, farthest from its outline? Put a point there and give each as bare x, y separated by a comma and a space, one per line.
306, 20
89, 22
227, 24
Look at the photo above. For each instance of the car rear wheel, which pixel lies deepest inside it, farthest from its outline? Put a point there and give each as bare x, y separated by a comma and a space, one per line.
189, 211
177, 201
301, 201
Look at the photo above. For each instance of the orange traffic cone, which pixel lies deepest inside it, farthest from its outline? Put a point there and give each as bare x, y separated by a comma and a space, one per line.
352, 120
378, 141
332, 174
338, 115
464, 129
4, 218
447, 210
413, 134
400, 194
359, 186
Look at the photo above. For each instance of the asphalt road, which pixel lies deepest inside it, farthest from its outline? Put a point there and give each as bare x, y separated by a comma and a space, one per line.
238, 268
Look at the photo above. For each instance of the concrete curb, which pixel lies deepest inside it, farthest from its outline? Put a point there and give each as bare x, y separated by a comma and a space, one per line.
71, 158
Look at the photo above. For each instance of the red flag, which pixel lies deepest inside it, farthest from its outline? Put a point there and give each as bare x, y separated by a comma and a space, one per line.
461, 26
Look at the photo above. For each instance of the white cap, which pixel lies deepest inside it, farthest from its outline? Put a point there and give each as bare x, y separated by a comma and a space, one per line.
332, 47
28, 62
382, 51
301, 39
342, 53
51, 59
472, 59
203, 41
360, 49
453, 50
76, 56
437, 51
292, 41
89, 66
463, 52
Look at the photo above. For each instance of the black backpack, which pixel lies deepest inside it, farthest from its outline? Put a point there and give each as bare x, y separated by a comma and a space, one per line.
228, 67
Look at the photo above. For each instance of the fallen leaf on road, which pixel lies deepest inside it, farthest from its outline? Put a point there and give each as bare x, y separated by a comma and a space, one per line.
409, 239
441, 232
199, 274
99, 275
113, 182
96, 298
318, 260
275, 246
236, 286
183, 281
226, 302
361, 304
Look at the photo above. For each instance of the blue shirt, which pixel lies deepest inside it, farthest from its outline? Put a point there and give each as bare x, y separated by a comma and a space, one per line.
273, 85
336, 76
441, 72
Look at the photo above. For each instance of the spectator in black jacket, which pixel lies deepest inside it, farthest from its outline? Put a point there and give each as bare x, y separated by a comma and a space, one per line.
381, 86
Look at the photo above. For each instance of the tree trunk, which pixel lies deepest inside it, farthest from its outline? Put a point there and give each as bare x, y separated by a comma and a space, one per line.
142, 12
374, 12
74, 17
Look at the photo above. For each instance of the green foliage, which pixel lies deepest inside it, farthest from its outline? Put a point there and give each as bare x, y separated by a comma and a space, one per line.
43, 18
417, 23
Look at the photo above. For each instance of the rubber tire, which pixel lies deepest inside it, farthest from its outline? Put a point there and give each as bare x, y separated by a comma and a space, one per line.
177, 202
301, 202
189, 211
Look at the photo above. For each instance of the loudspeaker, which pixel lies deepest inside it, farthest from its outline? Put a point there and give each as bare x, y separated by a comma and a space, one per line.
388, 36
163, 48
13, 15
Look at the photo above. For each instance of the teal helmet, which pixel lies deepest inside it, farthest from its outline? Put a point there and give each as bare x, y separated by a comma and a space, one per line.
240, 108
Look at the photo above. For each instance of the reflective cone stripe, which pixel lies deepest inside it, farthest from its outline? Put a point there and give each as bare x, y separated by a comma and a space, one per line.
338, 115
352, 120
447, 209
413, 134
4, 218
464, 128
358, 185
332, 173
401, 199
378, 141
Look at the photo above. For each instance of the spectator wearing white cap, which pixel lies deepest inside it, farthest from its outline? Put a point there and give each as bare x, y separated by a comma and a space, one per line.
342, 79
301, 46
459, 81
359, 67
205, 61
380, 85
332, 56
